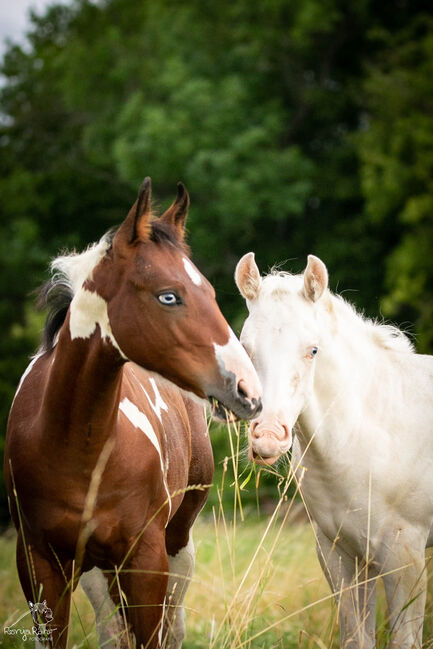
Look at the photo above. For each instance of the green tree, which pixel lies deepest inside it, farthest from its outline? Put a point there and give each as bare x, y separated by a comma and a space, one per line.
396, 153
297, 127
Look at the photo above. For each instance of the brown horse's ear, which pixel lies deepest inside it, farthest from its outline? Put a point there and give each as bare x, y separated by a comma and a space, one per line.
142, 211
136, 226
176, 214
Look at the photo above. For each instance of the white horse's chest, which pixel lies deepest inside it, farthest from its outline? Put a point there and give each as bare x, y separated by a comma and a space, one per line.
361, 496
334, 500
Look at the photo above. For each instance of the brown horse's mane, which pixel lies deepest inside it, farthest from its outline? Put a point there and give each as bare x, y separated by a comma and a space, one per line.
164, 233
57, 293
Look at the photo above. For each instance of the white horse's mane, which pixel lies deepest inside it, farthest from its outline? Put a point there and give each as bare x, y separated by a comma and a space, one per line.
73, 268
384, 335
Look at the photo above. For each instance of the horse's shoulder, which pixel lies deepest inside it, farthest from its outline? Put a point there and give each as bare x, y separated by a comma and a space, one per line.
155, 386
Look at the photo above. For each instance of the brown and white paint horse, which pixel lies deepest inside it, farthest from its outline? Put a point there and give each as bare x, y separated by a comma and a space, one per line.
100, 452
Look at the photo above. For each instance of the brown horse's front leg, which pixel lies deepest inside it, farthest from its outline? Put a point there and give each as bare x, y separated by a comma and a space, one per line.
181, 557
143, 581
47, 589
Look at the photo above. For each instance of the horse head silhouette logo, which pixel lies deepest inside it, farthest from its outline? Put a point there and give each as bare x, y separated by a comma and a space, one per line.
41, 612
42, 616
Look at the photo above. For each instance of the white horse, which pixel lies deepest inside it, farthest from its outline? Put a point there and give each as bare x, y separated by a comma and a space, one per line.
361, 403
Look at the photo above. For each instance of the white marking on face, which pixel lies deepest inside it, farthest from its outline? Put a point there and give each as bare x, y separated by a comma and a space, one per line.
140, 420
25, 374
192, 272
87, 310
226, 353
232, 358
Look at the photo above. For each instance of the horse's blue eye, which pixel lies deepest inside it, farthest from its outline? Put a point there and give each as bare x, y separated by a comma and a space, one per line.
169, 299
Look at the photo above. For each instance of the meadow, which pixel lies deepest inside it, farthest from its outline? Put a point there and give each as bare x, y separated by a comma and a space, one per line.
257, 584
237, 597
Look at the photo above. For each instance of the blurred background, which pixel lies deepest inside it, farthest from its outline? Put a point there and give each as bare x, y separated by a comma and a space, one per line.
298, 127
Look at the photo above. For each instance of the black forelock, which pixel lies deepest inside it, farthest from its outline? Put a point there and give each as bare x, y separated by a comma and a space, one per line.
163, 233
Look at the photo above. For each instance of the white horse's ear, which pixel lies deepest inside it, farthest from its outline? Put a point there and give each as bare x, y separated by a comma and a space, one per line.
247, 277
315, 278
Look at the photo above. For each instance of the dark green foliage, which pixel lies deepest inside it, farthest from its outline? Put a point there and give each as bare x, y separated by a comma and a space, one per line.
396, 152
297, 128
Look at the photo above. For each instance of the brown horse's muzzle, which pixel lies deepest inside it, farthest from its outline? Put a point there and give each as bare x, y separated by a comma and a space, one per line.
237, 387
235, 401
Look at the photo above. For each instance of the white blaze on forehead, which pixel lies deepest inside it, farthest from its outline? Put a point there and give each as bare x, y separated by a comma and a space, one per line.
140, 420
192, 272
89, 309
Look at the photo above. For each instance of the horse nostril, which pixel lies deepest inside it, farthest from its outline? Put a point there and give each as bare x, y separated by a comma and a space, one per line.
242, 391
253, 427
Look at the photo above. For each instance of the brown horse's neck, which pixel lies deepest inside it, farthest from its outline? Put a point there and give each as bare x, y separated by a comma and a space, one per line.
82, 393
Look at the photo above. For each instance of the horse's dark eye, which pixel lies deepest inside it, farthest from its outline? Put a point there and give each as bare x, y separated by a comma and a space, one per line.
169, 298
314, 351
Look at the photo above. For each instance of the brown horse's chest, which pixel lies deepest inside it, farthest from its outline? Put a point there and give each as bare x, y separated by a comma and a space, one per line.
54, 483
156, 453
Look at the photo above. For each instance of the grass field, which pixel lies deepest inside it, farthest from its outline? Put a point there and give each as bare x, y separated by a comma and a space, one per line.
257, 584
254, 587
233, 597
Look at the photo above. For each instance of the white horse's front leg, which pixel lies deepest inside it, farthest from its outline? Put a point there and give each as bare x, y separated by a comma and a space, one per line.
355, 594
405, 581
181, 569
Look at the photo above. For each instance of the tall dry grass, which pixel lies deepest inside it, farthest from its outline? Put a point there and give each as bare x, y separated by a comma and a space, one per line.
231, 596
257, 584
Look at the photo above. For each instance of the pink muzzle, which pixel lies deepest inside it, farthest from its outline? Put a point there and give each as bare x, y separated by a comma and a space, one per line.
268, 441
